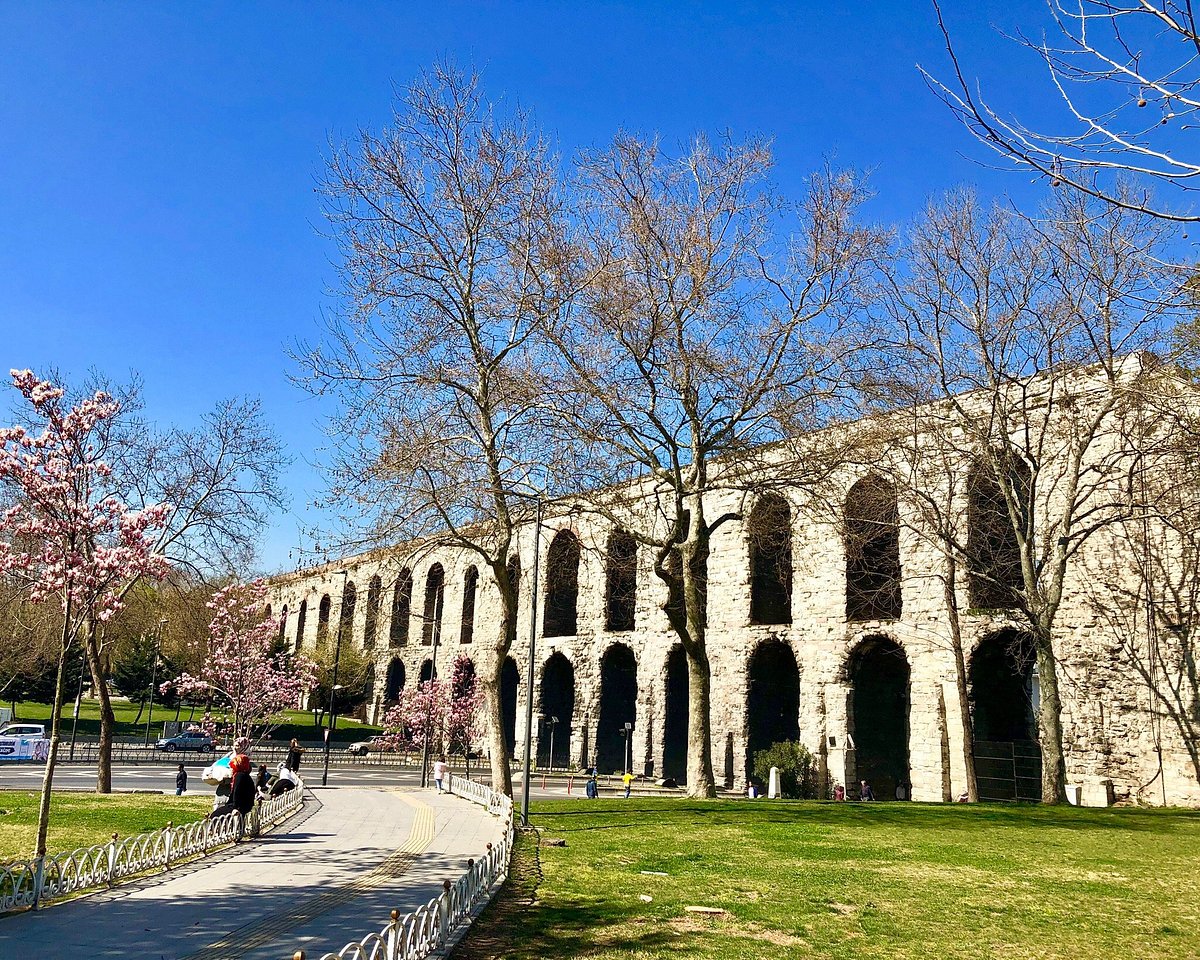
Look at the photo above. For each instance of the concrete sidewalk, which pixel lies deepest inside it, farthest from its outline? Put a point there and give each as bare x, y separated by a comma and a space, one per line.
332, 877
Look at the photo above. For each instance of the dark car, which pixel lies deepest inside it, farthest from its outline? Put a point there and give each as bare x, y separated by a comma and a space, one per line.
188, 740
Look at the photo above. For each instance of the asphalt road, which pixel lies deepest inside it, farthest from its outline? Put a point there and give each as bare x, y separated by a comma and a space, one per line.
77, 776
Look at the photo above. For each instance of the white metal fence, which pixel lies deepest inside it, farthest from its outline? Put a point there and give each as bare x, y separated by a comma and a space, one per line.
37, 881
417, 934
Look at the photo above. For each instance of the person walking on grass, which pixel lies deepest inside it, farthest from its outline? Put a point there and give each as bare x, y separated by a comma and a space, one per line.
180, 781
628, 781
440, 769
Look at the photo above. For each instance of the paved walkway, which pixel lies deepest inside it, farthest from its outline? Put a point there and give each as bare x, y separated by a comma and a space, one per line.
332, 877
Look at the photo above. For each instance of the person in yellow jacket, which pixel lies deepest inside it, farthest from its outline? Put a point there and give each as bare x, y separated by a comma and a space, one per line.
628, 781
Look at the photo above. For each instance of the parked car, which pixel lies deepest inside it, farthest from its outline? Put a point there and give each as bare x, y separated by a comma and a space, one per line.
188, 740
372, 745
34, 731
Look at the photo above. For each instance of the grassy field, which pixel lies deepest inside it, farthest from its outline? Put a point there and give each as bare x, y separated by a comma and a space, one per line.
294, 723
82, 819
848, 880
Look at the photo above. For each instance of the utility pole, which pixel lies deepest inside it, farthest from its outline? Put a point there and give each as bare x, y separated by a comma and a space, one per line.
337, 655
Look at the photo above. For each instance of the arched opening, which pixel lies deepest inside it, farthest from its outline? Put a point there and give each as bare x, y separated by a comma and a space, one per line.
620, 582
878, 673
675, 716
772, 698
268, 615
371, 628
769, 530
428, 672
510, 680
346, 614
301, 617
435, 591
323, 620
395, 680
618, 707
562, 586
401, 609
283, 627
994, 579
872, 551
557, 709
470, 585
1004, 703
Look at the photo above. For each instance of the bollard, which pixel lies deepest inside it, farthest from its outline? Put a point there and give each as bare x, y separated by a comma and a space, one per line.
570, 780
773, 788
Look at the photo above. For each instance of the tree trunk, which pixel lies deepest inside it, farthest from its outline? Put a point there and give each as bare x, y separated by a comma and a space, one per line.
494, 710
1054, 767
950, 585
108, 719
701, 782
141, 709
55, 727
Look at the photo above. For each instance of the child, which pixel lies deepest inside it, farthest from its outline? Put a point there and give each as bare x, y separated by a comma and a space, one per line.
180, 781
440, 769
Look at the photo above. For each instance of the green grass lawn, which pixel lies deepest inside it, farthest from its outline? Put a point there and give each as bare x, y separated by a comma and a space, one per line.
293, 723
83, 819
848, 880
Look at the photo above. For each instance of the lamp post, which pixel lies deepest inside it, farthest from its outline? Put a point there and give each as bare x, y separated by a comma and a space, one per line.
154, 674
628, 732
435, 637
533, 603
333, 686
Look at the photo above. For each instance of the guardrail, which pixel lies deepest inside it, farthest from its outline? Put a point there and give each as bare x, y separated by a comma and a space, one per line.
416, 935
37, 881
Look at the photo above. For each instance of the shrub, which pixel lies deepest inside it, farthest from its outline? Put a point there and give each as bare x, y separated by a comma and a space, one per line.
797, 769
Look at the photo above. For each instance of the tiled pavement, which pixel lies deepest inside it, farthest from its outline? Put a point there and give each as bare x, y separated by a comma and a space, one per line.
332, 876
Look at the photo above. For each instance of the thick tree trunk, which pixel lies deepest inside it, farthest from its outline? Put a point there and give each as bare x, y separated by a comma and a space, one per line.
108, 719
701, 782
1054, 767
497, 745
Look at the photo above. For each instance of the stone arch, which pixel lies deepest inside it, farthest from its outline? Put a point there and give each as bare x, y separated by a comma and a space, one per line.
769, 532
1003, 688
620, 582
435, 595
269, 614
557, 700
401, 609
675, 715
994, 578
323, 620
395, 680
872, 518
560, 618
510, 682
428, 671
772, 698
470, 586
301, 617
878, 673
346, 612
374, 598
618, 706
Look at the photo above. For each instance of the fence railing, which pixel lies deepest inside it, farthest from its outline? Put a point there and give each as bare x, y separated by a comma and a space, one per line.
416, 935
37, 881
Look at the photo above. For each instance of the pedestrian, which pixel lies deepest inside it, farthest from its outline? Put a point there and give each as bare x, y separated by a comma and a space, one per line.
293, 755
440, 769
242, 797
628, 781
263, 780
864, 791
593, 789
180, 781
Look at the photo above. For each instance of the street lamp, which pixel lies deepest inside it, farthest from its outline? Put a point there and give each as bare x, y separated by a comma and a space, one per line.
533, 605
333, 687
162, 624
627, 732
551, 722
435, 636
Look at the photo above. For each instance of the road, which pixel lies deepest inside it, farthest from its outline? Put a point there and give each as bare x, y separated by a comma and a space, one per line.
78, 776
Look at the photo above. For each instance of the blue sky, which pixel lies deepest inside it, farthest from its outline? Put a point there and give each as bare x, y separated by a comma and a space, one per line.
158, 161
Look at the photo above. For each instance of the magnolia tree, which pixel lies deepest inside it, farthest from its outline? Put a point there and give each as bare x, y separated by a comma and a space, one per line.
244, 678
449, 714
64, 537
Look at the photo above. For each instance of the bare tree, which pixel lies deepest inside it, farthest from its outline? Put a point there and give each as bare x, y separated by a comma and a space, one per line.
1021, 343
446, 223
1127, 73
703, 337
